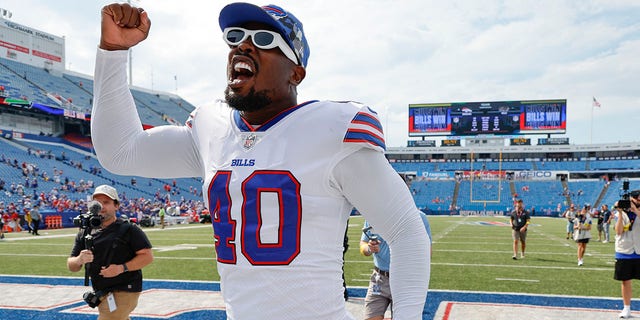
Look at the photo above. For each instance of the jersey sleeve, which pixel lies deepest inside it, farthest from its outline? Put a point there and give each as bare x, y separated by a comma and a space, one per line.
370, 184
121, 144
365, 129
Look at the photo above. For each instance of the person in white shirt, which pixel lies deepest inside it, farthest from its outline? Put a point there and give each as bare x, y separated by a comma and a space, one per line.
627, 247
280, 177
582, 232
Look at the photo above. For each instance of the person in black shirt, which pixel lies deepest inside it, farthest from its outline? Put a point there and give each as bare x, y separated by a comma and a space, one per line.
607, 217
115, 260
519, 222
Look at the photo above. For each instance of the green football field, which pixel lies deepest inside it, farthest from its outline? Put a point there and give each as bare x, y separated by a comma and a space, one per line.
469, 254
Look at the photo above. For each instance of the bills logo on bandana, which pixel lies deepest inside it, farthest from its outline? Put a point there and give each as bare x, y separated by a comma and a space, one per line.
249, 141
294, 32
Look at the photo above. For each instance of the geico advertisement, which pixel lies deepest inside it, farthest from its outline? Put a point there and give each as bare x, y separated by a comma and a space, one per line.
538, 175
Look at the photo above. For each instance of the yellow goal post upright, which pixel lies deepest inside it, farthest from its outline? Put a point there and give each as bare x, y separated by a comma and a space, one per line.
485, 185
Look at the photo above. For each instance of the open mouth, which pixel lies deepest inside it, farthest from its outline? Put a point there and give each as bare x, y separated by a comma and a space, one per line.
241, 71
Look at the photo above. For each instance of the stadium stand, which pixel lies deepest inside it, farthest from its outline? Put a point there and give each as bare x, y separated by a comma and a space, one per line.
443, 186
46, 153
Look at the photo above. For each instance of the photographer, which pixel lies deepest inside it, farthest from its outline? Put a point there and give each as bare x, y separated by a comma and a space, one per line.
113, 252
378, 297
519, 219
627, 247
582, 231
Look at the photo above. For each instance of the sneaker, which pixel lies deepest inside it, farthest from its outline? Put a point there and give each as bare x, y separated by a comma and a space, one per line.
522, 256
580, 262
605, 241
625, 314
514, 257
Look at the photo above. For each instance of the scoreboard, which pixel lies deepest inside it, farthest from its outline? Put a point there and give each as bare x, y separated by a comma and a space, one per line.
496, 117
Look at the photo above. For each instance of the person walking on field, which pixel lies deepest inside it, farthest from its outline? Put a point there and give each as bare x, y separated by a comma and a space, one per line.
607, 217
520, 220
582, 232
114, 261
570, 214
35, 219
161, 213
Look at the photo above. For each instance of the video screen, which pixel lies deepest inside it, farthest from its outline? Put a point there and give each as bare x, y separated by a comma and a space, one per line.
488, 118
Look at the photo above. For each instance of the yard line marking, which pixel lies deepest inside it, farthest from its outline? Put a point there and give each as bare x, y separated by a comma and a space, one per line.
536, 253
447, 230
520, 266
64, 255
521, 280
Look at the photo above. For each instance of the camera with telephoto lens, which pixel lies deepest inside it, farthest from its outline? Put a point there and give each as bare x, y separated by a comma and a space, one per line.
92, 298
91, 219
625, 201
87, 221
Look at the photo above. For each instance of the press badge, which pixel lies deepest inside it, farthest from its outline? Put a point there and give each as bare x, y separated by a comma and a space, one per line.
111, 301
375, 289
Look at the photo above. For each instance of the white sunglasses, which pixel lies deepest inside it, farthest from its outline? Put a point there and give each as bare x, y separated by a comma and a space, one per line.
263, 39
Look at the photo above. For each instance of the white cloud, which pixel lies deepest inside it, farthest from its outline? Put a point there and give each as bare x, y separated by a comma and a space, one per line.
389, 54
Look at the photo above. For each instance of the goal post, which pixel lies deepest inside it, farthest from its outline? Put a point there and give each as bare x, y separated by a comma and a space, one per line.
485, 182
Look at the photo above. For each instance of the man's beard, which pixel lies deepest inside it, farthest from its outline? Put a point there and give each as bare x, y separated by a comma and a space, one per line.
253, 101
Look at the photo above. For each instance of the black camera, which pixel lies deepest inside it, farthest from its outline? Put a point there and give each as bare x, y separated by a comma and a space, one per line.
87, 221
369, 235
91, 219
92, 298
625, 199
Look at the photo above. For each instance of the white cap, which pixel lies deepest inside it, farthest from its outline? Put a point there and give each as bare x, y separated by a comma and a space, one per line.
107, 190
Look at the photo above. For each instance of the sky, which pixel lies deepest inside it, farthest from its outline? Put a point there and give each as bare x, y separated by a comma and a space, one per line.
389, 54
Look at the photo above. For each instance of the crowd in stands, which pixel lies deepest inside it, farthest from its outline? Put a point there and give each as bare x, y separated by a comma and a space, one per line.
62, 193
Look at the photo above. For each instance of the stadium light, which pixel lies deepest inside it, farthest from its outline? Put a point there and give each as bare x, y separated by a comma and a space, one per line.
131, 53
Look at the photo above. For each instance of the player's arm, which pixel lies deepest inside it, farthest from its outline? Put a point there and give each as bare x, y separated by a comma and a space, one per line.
367, 180
121, 144
123, 26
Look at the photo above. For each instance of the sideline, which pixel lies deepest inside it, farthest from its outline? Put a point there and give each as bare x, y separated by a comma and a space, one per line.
40, 297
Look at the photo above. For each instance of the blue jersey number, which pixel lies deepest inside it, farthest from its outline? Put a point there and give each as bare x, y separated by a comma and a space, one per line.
286, 189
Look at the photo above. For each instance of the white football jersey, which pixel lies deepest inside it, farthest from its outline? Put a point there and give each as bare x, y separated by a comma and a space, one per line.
278, 220
278, 194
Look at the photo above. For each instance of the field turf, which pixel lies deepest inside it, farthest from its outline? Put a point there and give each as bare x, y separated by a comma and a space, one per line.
469, 254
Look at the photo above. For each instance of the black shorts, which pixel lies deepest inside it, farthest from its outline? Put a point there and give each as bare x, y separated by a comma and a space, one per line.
627, 269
